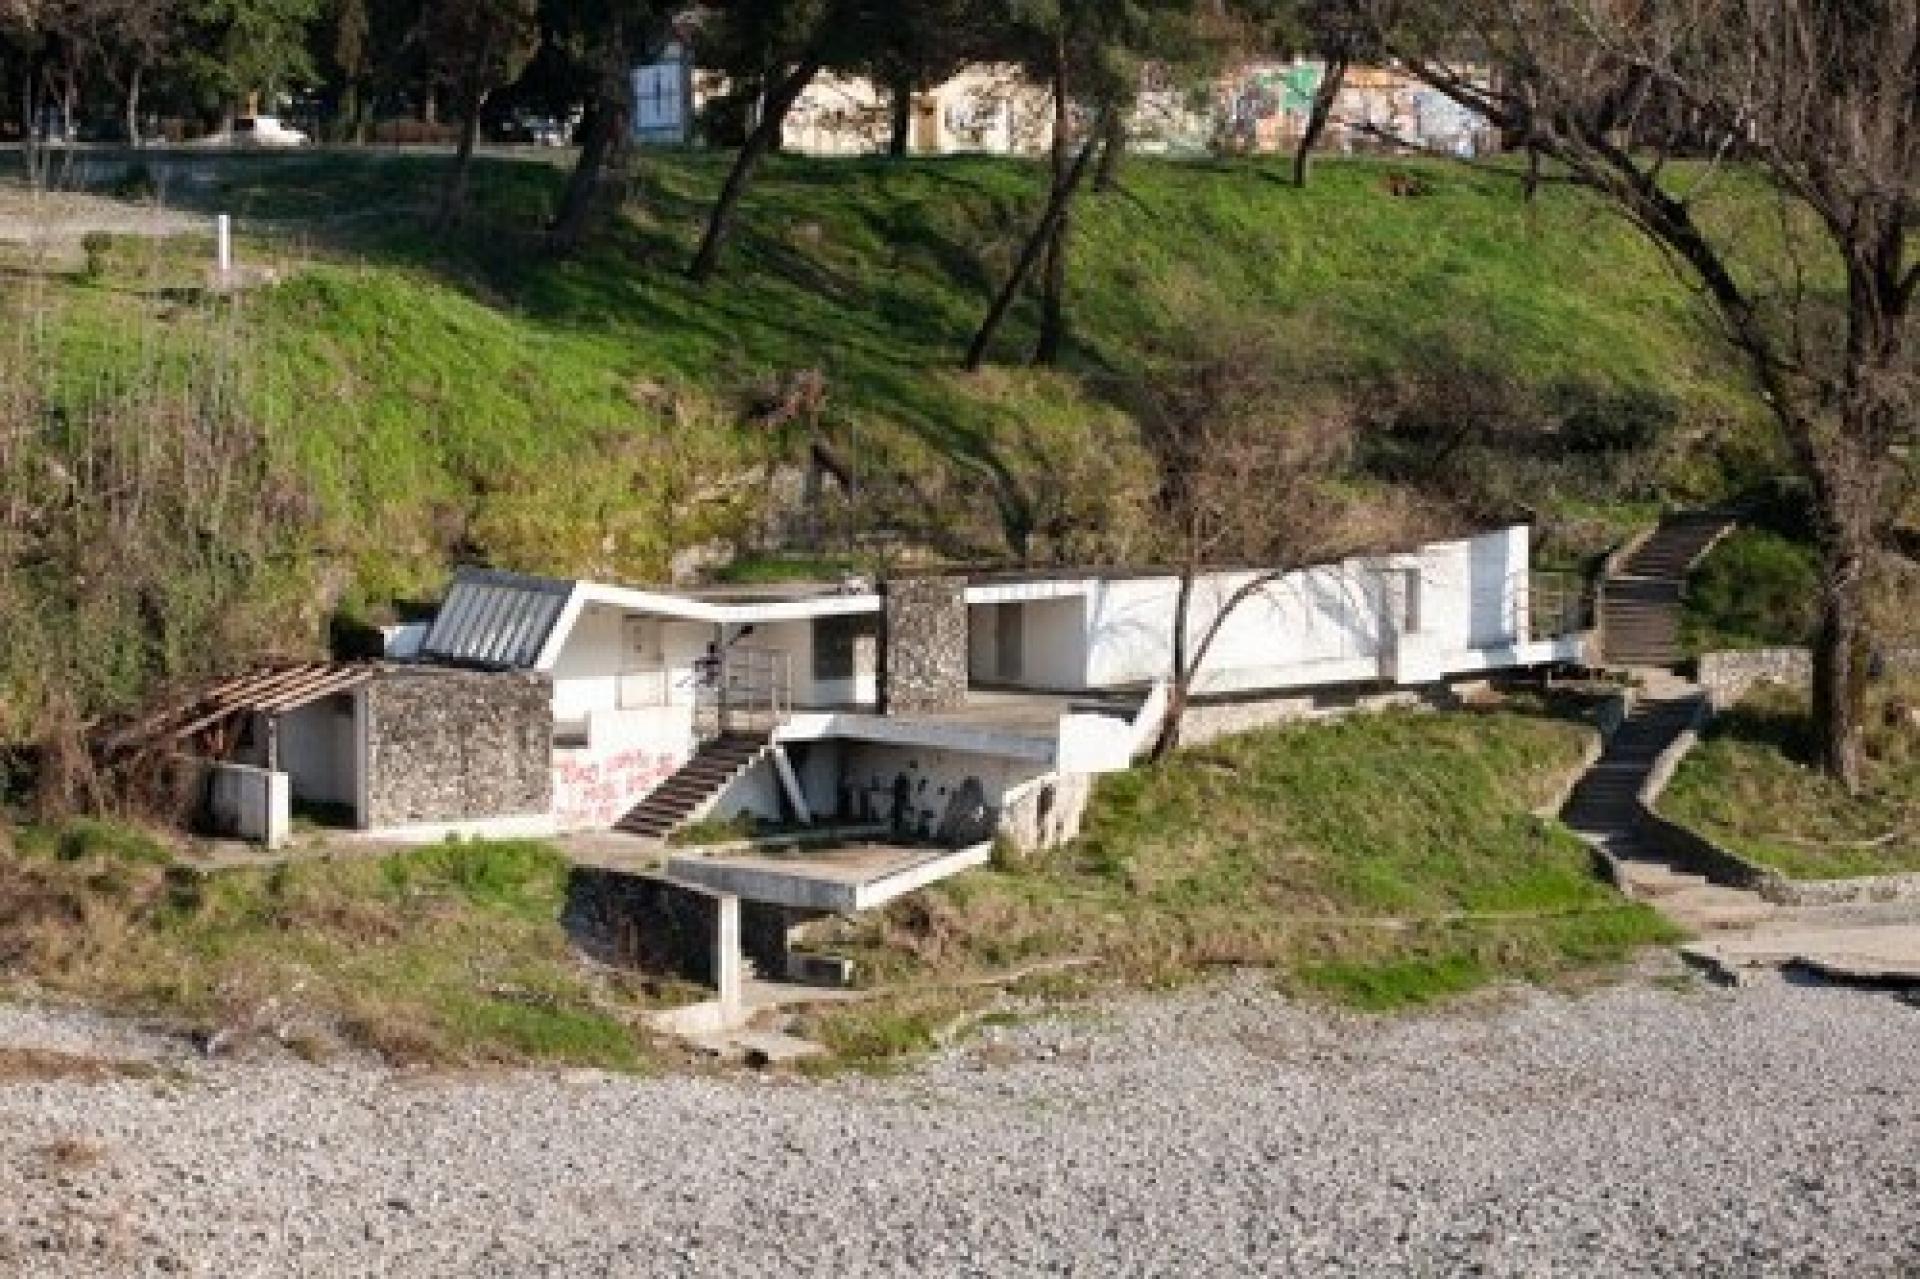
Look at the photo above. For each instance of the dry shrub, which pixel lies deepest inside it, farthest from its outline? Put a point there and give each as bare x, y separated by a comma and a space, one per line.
33, 1065
73, 1154
149, 515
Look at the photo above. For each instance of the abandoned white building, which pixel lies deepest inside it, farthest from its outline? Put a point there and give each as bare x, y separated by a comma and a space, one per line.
949, 708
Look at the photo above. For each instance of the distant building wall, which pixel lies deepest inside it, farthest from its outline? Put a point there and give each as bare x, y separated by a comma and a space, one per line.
994, 109
452, 746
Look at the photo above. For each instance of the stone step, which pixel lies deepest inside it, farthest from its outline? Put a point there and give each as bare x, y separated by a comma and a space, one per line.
1652, 879
1716, 907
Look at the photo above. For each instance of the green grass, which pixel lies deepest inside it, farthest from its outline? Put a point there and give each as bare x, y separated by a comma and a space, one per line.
469, 385
449, 954
421, 398
1749, 786
1755, 589
1380, 861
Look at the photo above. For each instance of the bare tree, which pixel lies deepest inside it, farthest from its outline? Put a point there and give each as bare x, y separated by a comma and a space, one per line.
1244, 469
1818, 99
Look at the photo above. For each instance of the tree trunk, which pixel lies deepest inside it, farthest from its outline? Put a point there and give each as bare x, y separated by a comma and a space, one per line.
603, 136
347, 128
900, 126
1053, 294
69, 96
1179, 689
1318, 117
29, 141
1840, 660
453, 196
764, 138
1041, 237
1107, 176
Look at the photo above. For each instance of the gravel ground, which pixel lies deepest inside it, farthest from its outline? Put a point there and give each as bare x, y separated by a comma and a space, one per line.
1640, 1129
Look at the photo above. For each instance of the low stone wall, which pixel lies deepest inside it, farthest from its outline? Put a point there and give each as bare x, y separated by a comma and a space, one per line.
1045, 812
452, 746
1728, 675
647, 922
1209, 721
1695, 852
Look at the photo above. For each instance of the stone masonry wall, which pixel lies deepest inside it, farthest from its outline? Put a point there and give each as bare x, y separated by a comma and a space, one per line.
450, 746
1728, 675
923, 647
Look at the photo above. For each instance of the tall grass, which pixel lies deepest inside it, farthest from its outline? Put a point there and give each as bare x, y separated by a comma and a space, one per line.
153, 526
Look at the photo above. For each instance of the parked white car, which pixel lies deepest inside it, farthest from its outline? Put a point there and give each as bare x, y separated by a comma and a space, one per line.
256, 131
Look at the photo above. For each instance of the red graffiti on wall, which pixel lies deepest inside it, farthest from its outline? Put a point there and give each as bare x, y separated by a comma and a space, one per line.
597, 790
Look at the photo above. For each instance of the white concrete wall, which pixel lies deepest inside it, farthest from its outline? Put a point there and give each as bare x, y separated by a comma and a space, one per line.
1329, 625
638, 720
595, 662
250, 803
755, 793
1318, 626
933, 777
319, 750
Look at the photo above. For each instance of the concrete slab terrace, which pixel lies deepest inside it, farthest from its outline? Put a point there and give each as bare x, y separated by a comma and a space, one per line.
1012, 725
838, 880
1887, 954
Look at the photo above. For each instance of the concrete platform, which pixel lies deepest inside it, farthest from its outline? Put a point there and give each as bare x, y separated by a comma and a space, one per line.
837, 880
1877, 955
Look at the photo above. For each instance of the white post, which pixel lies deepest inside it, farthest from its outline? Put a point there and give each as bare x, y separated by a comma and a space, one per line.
223, 230
726, 956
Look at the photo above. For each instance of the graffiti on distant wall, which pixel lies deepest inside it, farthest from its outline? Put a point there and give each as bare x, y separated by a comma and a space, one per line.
591, 791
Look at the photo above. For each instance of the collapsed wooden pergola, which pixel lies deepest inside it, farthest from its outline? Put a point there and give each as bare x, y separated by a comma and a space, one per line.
211, 716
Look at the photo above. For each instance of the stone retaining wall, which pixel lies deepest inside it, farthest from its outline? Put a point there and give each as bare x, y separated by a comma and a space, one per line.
451, 746
1728, 675
647, 922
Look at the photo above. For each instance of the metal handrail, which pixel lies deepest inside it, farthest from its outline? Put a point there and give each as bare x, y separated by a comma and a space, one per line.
749, 689
1556, 604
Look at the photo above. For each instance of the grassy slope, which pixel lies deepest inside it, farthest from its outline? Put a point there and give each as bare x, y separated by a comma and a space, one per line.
1747, 786
438, 390
448, 954
1286, 849
1756, 589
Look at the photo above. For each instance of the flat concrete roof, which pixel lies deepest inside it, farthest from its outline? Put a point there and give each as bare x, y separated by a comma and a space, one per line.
839, 879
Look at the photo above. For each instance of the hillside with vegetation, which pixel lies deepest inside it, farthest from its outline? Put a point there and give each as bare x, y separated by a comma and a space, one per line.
383, 400
1751, 786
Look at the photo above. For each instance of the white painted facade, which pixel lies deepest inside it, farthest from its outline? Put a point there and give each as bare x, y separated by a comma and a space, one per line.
626, 667
1447, 609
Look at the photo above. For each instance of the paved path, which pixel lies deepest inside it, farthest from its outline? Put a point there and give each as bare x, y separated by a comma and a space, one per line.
1605, 809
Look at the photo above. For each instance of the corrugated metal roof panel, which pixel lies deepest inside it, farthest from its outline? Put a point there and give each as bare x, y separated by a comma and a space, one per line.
495, 619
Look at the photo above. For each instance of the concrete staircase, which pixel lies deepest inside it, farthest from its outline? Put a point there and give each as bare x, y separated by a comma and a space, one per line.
681, 797
1640, 601
1605, 810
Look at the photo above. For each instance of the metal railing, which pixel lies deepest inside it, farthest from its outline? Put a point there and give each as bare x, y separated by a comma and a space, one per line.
1558, 604
743, 690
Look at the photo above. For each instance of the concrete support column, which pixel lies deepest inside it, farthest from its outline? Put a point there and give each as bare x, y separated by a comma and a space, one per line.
726, 952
